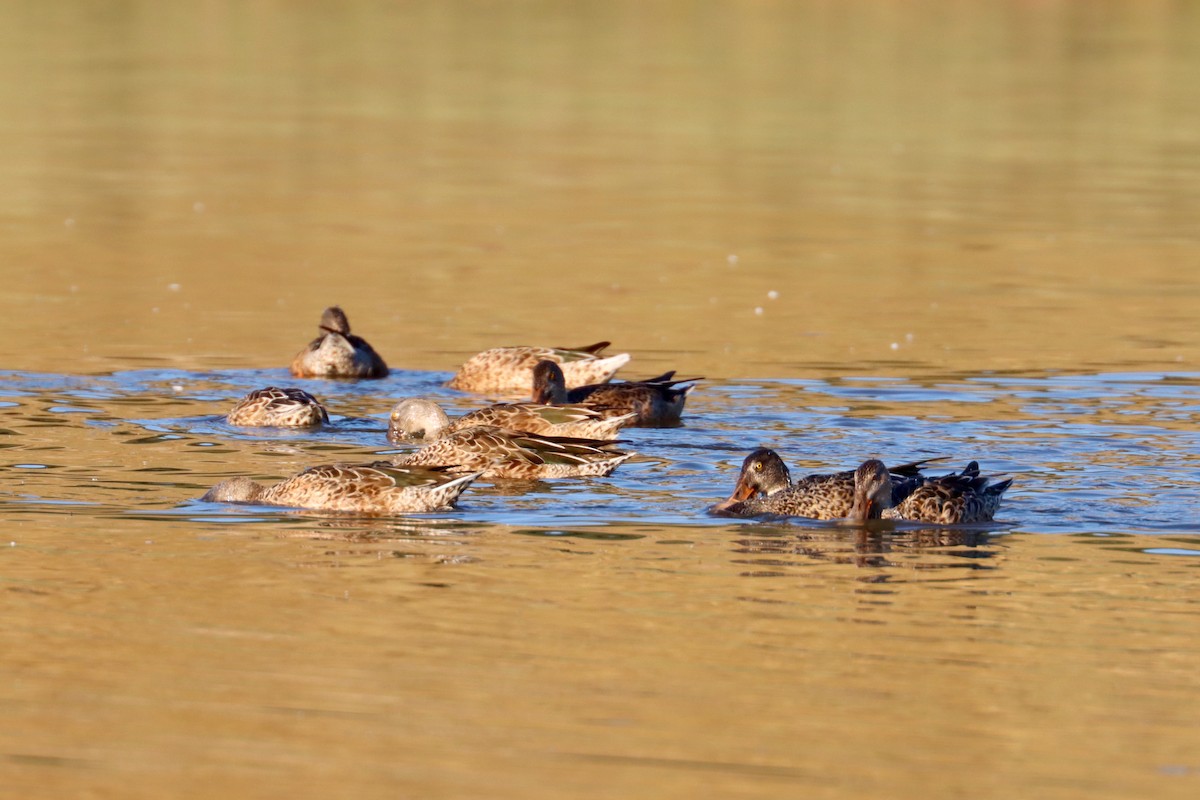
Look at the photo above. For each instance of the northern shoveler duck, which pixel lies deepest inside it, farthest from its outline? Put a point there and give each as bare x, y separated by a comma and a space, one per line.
656, 402
958, 497
764, 486
500, 453
372, 489
508, 370
337, 353
273, 407
417, 418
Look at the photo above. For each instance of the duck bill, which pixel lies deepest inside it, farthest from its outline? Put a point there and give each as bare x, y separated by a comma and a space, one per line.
864, 510
742, 491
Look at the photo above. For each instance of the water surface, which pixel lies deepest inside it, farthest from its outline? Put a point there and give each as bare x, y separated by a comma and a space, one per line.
903, 231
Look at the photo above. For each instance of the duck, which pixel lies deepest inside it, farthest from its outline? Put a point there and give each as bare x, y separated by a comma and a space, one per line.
655, 402
508, 370
419, 418
764, 486
273, 407
337, 353
500, 453
959, 497
377, 489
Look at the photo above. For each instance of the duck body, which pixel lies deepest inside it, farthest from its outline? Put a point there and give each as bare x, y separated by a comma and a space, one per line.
417, 418
960, 497
508, 370
764, 487
337, 353
274, 407
654, 402
500, 453
379, 489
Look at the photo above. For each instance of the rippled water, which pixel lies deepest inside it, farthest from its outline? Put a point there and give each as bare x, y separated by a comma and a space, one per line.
601, 633
1102, 454
902, 230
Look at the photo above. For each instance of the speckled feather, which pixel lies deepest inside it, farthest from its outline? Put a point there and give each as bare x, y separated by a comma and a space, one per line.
508, 370
500, 453
278, 408
654, 402
337, 353
768, 490
815, 496
372, 489
546, 420
965, 497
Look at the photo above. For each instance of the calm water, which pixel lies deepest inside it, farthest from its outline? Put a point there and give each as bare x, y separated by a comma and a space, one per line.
897, 230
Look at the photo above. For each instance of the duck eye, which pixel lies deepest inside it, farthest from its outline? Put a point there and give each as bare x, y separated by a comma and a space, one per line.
758, 466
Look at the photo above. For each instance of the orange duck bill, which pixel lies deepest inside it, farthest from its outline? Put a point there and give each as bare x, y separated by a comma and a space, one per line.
741, 492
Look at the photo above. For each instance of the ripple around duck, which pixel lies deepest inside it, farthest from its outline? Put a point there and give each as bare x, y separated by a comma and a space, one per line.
1102, 453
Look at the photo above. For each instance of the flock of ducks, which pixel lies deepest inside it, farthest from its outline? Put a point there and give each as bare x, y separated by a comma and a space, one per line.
568, 428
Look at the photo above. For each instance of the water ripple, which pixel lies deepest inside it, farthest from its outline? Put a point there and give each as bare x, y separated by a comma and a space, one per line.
1101, 453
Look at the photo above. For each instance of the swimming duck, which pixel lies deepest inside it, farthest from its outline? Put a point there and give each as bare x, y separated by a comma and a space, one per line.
337, 353
417, 418
507, 370
958, 497
374, 489
278, 408
656, 402
499, 453
764, 486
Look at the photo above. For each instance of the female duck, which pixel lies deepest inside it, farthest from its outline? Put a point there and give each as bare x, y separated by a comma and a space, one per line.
507, 370
337, 353
499, 453
656, 402
371, 489
960, 497
416, 418
273, 407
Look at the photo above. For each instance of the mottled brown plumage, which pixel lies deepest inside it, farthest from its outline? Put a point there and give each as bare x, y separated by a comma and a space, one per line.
960, 497
337, 353
508, 370
500, 453
655, 402
371, 489
278, 408
764, 486
418, 418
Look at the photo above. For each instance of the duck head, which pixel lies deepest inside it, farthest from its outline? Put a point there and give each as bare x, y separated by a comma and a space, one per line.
763, 472
333, 320
234, 490
872, 490
549, 383
415, 418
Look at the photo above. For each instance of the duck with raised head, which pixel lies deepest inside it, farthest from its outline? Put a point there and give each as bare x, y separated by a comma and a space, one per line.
419, 418
764, 486
337, 353
275, 407
960, 497
656, 402
508, 370
500, 453
369, 489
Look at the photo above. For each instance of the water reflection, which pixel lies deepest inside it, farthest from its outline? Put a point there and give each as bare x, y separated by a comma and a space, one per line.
912, 548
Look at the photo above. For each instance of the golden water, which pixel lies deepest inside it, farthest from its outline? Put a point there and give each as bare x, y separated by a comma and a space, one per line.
918, 228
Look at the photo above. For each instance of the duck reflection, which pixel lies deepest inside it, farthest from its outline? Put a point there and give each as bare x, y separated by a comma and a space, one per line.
866, 545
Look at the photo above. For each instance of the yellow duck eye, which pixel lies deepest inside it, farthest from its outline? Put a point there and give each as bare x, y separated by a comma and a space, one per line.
758, 466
